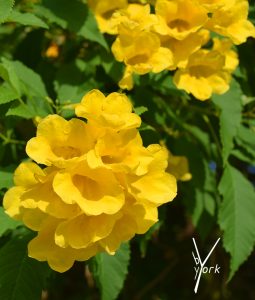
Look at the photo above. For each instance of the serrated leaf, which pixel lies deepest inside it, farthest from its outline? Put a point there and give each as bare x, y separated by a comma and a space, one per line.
246, 139
236, 216
5, 9
26, 19
110, 271
7, 93
230, 105
21, 277
7, 223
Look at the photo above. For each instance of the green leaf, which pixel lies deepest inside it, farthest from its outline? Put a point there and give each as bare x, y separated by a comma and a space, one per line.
73, 15
7, 93
236, 216
243, 155
6, 177
21, 277
91, 32
31, 79
110, 271
246, 139
26, 82
21, 110
8, 73
26, 19
5, 9
140, 110
7, 223
230, 105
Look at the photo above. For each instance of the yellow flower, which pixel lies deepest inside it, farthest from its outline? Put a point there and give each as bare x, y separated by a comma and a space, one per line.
224, 47
59, 142
141, 52
52, 51
232, 22
135, 16
101, 186
179, 167
203, 75
103, 10
213, 5
127, 82
181, 50
179, 18
113, 111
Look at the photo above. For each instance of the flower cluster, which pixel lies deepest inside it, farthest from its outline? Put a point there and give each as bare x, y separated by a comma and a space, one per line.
100, 186
177, 37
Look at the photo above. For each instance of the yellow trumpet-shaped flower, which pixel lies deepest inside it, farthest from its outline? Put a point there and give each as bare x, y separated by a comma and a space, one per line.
135, 16
103, 10
179, 167
59, 142
224, 47
181, 50
99, 188
204, 75
232, 22
141, 52
179, 18
113, 111
213, 5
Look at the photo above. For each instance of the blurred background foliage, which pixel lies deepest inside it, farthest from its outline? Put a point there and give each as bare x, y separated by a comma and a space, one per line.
51, 54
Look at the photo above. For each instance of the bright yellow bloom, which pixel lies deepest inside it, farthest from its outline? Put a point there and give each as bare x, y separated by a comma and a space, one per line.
224, 47
179, 167
52, 51
141, 52
213, 5
59, 142
204, 75
232, 22
103, 10
181, 50
113, 111
179, 18
136, 17
101, 186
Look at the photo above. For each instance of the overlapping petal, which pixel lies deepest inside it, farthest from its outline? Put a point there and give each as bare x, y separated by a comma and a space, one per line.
99, 188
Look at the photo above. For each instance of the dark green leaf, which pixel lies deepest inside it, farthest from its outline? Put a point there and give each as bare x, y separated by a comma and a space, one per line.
236, 216
230, 118
5, 9
26, 19
21, 278
7, 223
110, 271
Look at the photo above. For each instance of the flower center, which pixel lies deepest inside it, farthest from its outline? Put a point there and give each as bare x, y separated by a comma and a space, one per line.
137, 59
179, 24
201, 71
67, 152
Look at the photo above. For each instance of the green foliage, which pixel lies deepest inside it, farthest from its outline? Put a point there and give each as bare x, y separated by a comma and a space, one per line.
230, 118
26, 19
236, 216
110, 271
21, 277
6, 8
6, 222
